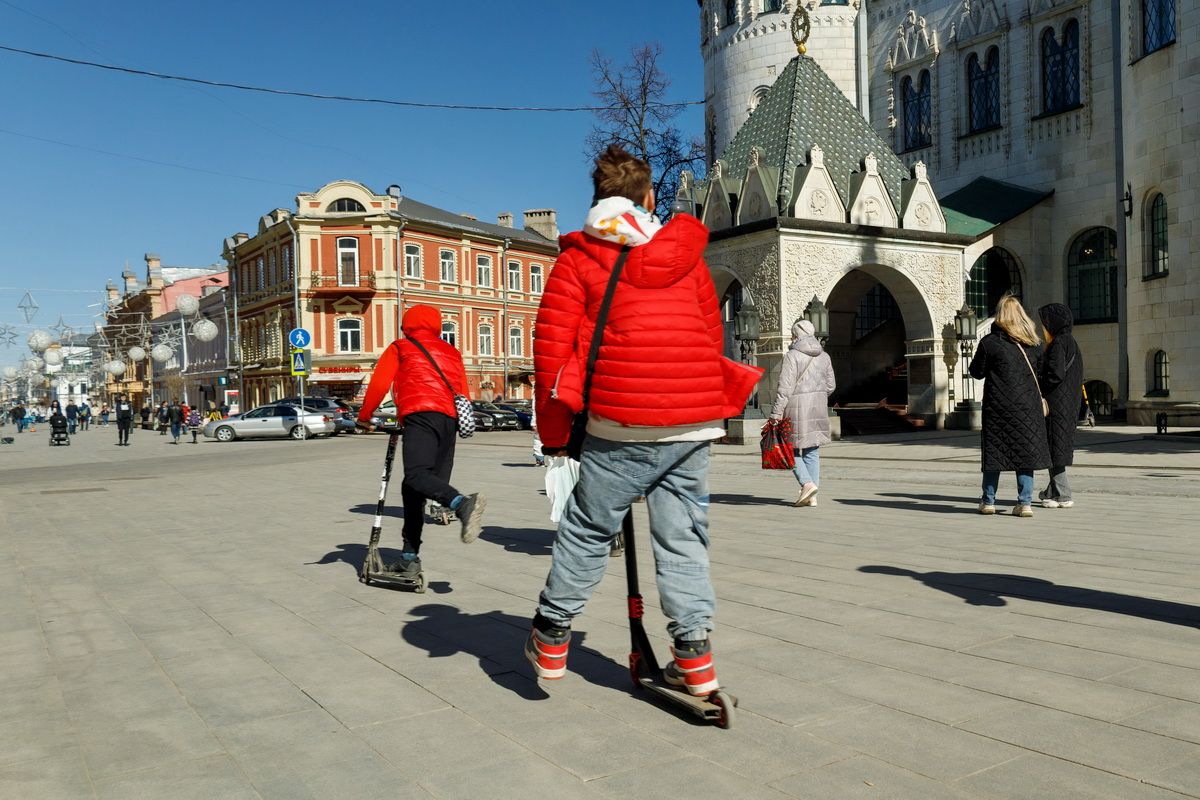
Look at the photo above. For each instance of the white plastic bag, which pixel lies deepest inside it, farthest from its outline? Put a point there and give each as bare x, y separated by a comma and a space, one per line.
562, 473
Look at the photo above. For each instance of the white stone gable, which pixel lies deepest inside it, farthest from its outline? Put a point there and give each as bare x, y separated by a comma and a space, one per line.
869, 200
979, 18
815, 196
718, 214
915, 43
759, 191
922, 211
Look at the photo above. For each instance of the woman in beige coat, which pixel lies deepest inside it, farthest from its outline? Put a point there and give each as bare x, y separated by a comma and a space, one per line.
803, 397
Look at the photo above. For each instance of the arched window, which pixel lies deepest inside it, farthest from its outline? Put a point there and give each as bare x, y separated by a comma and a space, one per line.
1092, 276
412, 261
485, 340
349, 335
347, 261
516, 342
876, 307
1162, 374
771, 6
994, 274
514, 276
345, 205
1156, 230
450, 333
483, 271
983, 91
447, 266
757, 96
1060, 69
536, 282
1099, 398
918, 111
730, 12
1158, 24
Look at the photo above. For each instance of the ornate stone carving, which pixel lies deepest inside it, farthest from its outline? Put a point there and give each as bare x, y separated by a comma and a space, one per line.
924, 214
915, 42
978, 18
818, 203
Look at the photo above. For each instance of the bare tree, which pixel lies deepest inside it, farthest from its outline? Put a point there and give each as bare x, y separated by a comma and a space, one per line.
638, 116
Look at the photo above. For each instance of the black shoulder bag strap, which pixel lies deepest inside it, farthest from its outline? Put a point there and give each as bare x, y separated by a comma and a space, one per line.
441, 374
601, 320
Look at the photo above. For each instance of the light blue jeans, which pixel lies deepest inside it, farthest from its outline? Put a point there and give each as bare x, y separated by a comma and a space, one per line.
673, 476
808, 466
991, 480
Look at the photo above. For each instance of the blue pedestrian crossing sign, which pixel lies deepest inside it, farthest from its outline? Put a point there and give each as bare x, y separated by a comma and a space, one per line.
300, 362
300, 338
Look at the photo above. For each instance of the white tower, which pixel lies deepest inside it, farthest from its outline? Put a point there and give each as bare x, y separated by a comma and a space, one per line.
747, 43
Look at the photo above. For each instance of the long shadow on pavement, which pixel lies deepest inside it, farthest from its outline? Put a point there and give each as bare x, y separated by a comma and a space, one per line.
911, 505
934, 498
531, 541
355, 553
990, 589
745, 500
369, 509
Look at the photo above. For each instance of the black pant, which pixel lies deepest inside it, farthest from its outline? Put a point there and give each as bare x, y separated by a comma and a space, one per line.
429, 439
123, 426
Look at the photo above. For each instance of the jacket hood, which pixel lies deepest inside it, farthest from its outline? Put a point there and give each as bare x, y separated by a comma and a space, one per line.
808, 344
663, 260
422, 319
1057, 318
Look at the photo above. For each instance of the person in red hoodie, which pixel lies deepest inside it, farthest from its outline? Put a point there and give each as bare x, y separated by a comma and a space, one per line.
416, 369
660, 392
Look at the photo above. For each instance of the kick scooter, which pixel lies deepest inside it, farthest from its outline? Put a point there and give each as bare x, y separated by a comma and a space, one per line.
716, 707
373, 568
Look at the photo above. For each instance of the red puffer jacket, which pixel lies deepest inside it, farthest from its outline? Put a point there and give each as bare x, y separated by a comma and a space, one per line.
661, 360
405, 370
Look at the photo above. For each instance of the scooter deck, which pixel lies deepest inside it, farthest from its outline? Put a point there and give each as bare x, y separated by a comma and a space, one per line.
703, 707
395, 579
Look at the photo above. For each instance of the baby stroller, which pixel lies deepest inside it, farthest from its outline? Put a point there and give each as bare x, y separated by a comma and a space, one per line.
58, 432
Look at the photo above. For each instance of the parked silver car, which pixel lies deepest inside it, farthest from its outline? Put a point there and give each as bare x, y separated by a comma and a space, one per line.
271, 421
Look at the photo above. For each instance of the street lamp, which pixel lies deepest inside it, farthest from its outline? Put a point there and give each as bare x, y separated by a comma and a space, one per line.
965, 326
817, 314
747, 325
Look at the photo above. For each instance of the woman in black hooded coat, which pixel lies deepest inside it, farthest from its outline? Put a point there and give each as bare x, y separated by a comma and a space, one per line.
1061, 380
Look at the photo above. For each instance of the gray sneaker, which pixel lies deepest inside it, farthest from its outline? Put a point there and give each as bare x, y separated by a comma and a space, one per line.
408, 568
470, 514
1022, 511
987, 508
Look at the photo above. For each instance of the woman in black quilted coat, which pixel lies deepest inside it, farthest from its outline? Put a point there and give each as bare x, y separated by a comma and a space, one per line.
1061, 378
1014, 429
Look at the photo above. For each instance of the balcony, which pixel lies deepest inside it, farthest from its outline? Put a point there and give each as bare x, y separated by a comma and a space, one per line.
330, 284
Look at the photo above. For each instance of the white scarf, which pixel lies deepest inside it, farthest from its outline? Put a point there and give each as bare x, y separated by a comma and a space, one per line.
620, 220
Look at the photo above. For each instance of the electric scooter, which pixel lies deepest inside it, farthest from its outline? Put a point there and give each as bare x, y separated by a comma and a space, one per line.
716, 707
373, 569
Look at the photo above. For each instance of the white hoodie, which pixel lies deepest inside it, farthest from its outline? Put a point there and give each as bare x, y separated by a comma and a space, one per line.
620, 220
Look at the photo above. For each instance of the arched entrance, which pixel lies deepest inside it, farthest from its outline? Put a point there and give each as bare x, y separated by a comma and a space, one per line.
880, 342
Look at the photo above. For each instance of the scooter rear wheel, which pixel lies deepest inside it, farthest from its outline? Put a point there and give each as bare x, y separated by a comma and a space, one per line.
725, 703
420, 587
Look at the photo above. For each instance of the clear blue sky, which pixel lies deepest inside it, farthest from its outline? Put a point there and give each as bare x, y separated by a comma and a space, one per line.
74, 217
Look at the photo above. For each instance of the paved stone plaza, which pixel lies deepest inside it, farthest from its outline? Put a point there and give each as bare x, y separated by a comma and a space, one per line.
186, 622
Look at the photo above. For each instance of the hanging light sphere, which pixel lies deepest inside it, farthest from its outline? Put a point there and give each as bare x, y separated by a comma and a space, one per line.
161, 353
10, 372
205, 330
39, 341
34, 364
187, 305
54, 357
115, 367
136, 354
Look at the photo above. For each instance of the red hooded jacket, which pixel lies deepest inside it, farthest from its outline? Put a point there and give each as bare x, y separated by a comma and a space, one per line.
661, 361
405, 370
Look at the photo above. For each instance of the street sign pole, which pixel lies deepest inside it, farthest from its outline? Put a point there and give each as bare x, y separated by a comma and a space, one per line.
300, 339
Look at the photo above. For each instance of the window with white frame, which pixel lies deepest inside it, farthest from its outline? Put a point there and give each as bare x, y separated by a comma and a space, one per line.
536, 281
412, 261
516, 342
287, 262
349, 335
447, 266
450, 333
514, 276
486, 346
347, 261
261, 273
483, 271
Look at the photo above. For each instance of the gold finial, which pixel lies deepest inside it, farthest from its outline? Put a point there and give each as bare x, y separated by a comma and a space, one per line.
801, 28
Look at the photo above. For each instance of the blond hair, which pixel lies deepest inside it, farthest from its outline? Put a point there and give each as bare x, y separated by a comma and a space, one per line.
1012, 319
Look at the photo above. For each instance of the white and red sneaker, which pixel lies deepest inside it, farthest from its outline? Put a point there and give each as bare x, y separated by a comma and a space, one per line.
692, 668
547, 653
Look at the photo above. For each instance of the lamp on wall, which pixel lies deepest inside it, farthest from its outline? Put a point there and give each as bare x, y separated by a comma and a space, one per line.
816, 313
1127, 200
965, 327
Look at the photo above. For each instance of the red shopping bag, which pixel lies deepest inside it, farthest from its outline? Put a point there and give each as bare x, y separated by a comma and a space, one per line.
777, 451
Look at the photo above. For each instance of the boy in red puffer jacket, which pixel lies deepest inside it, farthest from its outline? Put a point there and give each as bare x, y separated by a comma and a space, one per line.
425, 407
660, 393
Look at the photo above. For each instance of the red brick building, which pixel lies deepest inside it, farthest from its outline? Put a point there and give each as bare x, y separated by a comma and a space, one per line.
361, 258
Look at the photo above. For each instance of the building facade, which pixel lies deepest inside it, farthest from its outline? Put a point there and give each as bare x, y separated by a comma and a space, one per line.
1083, 116
347, 262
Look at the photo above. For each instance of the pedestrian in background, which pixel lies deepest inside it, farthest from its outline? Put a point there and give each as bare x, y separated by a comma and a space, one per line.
72, 412
85, 416
1014, 425
175, 419
104, 412
145, 414
194, 421
1061, 380
18, 417
417, 370
163, 415
214, 413
805, 383
124, 413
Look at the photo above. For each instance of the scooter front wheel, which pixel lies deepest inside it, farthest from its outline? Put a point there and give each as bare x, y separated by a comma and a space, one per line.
725, 703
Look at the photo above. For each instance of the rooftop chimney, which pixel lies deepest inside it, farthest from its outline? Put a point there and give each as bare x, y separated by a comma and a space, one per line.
153, 270
111, 292
504, 219
130, 281
543, 221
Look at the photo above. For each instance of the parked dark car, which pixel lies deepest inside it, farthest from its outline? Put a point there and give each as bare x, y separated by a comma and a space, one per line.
339, 410
501, 420
524, 413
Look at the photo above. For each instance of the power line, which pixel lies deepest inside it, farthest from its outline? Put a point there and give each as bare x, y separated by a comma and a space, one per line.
316, 96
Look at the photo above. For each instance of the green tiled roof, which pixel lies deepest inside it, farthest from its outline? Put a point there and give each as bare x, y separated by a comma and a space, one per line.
804, 108
985, 203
